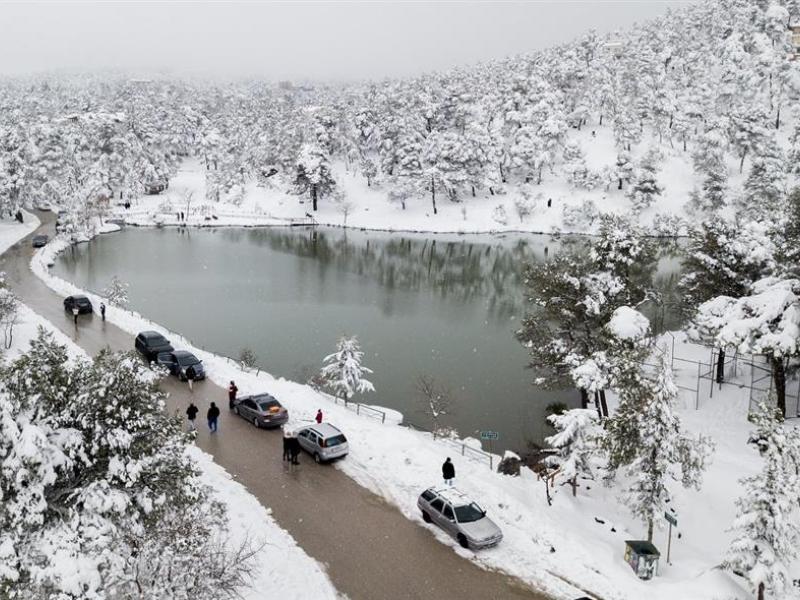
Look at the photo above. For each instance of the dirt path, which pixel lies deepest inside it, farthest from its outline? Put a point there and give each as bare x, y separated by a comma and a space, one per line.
371, 550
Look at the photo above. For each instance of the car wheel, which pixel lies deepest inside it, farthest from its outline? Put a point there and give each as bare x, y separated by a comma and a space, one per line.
462, 541
255, 422
426, 517
317, 458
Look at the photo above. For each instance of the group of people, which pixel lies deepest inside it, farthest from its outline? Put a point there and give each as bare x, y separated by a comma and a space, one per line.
212, 415
291, 446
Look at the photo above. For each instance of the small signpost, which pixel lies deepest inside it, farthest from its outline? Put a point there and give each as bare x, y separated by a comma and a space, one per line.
672, 520
489, 436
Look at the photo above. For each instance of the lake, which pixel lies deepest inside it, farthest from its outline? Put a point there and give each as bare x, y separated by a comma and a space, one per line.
444, 306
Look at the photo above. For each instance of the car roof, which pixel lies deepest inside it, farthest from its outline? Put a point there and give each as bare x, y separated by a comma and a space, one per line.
183, 353
79, 297
151, 334
263, 397
452, 495
324, 429
40, 235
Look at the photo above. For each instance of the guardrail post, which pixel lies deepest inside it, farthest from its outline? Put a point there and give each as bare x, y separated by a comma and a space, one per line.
697, 392
491, 462
383, 418
462, 449
358, 408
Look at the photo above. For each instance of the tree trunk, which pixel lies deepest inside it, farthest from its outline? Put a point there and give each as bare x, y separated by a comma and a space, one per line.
779, 376
603, 403
721, 365
650, 530
574, 483
597, 405
502, 174
584, 399
473, 191
601, 119
433, 195
619, 187
778, 119
314, 197
741, 162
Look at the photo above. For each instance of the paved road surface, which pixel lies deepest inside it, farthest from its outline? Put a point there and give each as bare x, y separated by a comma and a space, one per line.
370, 549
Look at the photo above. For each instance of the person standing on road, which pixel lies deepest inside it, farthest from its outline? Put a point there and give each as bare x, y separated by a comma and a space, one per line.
191, 414
103, 310
294, 449
448, 472
318, 418
232, 390
287, 443
213, 416
75, 313
190, 375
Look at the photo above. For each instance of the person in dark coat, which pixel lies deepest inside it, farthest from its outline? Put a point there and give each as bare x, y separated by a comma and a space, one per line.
232, 390
448, 471
212, 415
294, 449
75, 313
191, 414
318, 418
287, 444
103, 310
190, 375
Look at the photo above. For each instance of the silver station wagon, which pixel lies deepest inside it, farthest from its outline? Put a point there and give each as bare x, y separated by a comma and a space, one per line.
322, 441
454, 512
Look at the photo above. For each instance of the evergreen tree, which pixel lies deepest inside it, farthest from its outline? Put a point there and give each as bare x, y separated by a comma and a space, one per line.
766, 532
343, 372
576, 440
645, 188
313, 173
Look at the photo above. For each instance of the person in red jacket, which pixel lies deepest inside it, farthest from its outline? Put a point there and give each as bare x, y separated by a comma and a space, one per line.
232, 390
318, 418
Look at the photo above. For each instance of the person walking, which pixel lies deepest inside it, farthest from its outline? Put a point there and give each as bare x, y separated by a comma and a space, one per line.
287, 443
190, 375
294, 449
318, 418
191, 414
75, 313
448, 472
103, 310
232, 390
213, 416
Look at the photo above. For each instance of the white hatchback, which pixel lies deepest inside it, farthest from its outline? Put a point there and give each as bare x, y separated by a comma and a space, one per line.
322, 441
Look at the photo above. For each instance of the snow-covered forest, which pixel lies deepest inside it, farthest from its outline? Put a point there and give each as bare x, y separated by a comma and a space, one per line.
683, 115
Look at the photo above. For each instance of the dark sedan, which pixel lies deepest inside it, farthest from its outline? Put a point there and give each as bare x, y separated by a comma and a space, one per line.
262, 410
39, 241
179, 362
151, 343
82, 303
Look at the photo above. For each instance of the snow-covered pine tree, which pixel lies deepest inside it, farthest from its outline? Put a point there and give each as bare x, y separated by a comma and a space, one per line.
787, 243
576, 439
766, 533
313, 173
644, 187
660, 453
765, 186
94, 467
343, 372
117, 292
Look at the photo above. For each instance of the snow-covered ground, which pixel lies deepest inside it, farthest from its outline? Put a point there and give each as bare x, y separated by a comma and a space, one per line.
371, 209
281, 566
576, 542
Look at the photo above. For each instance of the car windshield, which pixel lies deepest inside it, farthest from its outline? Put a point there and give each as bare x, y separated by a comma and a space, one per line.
266, 405
469, 513
185, 360
81, 301
336, 440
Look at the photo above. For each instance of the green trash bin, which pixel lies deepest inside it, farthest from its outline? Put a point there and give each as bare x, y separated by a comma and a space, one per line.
642, 556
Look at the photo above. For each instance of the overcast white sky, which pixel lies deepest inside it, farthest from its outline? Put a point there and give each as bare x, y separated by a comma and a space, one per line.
294, 40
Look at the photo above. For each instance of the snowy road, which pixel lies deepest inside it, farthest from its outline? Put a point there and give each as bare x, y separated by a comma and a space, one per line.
370, 549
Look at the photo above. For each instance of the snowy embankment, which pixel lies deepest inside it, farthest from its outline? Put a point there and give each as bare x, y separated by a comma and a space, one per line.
575, 544
570, 210
281, 566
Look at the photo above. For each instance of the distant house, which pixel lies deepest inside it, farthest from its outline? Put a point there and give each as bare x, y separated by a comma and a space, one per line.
155, 187
794, 32
614, 47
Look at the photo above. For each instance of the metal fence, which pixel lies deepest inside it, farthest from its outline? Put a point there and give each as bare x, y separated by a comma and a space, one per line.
460, 447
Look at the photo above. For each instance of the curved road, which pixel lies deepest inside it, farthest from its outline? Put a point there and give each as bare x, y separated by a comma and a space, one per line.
370, 549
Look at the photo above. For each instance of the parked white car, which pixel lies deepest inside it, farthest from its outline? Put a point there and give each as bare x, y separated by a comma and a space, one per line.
322, 441
459, 516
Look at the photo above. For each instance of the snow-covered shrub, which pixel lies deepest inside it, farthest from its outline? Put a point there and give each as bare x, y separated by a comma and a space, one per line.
668, 225
499, 215
579, 216
116, 292
248, 358
166, 206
